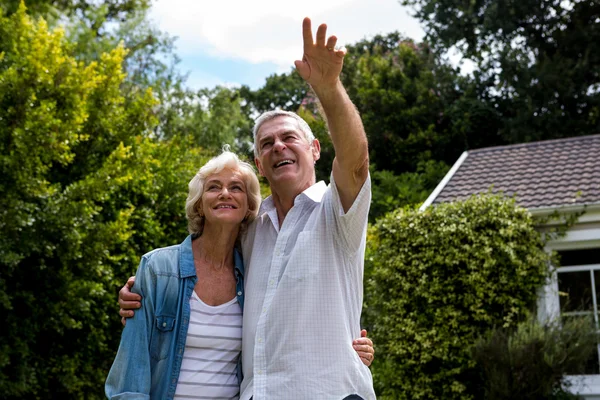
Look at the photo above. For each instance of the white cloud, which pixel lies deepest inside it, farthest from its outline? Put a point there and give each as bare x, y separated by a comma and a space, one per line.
269, 30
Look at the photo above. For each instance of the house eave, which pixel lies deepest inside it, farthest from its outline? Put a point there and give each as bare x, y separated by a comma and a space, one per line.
444, 181
591, 211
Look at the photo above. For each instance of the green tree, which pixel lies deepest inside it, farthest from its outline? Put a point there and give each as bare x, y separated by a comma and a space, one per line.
410, 102
538, 61
84, 192
419, 115
439, 279
210, 117
284, 91
113, 10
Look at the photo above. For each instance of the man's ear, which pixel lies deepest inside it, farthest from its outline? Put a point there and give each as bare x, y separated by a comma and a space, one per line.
316, 149
258, 166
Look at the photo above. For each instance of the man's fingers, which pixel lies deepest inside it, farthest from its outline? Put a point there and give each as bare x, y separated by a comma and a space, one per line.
129, 300
124, 321
125, 293
128, 296
125, 313
331, 42
307, 32
303, 69
129, 305
341, 53
321, 34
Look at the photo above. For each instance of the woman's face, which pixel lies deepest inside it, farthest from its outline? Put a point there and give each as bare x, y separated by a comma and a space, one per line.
225, 200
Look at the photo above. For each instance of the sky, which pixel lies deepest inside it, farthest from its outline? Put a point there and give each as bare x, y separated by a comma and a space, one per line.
241, 42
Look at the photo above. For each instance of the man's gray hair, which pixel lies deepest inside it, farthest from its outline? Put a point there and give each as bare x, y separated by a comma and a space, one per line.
269, 115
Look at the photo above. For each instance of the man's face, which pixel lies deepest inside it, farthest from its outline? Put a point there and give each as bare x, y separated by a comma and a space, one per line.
284, 155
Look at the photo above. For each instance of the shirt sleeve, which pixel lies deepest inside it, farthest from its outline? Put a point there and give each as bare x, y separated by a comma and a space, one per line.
352, 225
130, 375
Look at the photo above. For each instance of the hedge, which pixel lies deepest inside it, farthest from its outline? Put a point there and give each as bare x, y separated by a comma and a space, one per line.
438, 280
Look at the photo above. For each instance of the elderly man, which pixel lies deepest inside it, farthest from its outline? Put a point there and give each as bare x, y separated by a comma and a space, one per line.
304, 254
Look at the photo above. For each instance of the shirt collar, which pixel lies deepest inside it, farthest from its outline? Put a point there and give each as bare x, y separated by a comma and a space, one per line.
186, 259
238, 263
314, 193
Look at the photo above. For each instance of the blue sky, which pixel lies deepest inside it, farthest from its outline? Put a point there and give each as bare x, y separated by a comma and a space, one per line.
239, 42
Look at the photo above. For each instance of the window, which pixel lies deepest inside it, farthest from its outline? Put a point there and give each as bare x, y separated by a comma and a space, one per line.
579, 290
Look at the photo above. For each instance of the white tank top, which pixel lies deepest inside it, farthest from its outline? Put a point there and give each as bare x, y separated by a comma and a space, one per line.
212, 350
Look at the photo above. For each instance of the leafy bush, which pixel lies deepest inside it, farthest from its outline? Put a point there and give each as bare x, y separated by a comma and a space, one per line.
84, 192
437, 280
531, 361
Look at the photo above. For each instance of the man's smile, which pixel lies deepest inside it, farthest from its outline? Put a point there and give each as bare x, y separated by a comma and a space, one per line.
284, 162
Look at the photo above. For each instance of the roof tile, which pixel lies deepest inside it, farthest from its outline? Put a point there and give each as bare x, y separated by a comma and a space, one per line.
540, 174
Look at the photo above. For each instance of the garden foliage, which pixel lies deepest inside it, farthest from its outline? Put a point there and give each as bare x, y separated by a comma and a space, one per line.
436, 281
83, 193
532, 360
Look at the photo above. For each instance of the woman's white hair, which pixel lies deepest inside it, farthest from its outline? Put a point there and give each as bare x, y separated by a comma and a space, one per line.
269, 115
226, 160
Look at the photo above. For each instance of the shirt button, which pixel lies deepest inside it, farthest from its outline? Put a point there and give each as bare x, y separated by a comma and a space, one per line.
271, 282
259, 372
164, 324
240, 293
264, 310
259, 340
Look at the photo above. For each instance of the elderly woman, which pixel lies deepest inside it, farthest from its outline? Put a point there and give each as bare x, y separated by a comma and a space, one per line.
187, 338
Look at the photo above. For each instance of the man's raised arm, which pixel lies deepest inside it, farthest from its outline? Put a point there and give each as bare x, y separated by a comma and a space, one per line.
321, 66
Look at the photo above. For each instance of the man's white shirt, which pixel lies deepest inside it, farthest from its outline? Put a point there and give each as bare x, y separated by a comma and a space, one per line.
304, 294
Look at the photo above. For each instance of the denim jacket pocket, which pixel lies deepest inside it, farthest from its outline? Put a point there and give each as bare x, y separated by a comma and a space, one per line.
161, 339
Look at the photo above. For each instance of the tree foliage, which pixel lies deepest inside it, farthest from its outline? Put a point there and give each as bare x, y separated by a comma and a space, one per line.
537, 60
286, 91
402, 92
83, 193
436, 281
111, 10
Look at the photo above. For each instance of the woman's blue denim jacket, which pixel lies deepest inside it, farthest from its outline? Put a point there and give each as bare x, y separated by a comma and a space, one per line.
149, 358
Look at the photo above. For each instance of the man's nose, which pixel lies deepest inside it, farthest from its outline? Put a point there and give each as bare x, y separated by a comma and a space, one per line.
279, 145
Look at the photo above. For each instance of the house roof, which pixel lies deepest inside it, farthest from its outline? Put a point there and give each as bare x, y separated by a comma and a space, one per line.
551, 173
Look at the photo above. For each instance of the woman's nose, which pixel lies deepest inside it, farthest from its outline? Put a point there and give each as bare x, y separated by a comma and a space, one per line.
224, 192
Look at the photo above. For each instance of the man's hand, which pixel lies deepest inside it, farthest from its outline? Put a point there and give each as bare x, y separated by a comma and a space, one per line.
322, 62
128, 301
364, 348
